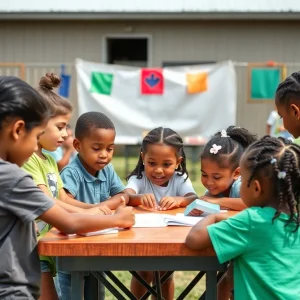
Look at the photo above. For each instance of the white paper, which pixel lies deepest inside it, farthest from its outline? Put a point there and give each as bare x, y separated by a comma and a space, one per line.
149, 220
100, 232
162, 220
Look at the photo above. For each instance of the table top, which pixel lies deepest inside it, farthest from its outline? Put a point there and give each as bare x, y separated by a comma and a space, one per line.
159, 242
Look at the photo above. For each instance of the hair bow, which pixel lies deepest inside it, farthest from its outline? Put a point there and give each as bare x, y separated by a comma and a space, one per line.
215, 148
224, 133
281, 175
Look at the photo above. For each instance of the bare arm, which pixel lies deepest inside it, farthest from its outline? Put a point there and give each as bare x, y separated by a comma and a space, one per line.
80, 223
66, 206
147, 200
172, 202
114, 201
198, 238
231, 203
65, 159
134, 198
268, 129
63, 196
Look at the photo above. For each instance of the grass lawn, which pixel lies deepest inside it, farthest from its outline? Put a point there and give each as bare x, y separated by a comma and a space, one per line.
182, 278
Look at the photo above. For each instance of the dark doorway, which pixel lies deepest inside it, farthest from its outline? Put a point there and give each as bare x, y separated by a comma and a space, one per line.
127, 51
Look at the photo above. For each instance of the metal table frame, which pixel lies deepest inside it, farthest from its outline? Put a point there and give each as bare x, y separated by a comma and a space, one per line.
79, 265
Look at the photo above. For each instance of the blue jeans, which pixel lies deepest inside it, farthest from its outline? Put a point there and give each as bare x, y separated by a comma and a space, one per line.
90, 285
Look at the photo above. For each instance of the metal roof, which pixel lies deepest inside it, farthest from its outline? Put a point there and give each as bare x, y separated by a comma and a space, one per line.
151, 6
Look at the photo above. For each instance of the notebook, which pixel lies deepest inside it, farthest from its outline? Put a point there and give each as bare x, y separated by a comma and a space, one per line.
206, 207
163, 220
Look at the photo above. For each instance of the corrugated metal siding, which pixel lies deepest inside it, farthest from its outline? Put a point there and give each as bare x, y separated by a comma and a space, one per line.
151, 6
62, 42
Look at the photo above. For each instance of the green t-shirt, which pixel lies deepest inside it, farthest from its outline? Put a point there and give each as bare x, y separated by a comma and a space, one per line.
45, 172
265, 254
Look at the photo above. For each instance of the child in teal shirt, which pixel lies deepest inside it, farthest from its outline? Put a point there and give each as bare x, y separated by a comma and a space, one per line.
263, 240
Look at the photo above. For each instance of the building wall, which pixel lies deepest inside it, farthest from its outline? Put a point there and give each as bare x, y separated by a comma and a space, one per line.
242, 41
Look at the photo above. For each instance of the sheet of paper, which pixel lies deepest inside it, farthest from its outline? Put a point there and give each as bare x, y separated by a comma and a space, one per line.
149, 220
188, 219
100, 232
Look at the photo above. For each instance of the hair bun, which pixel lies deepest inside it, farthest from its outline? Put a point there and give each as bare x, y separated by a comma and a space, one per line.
50, 81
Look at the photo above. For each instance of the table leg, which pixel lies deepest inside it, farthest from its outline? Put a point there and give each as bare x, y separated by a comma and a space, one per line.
158, 285
77, 285
211, 285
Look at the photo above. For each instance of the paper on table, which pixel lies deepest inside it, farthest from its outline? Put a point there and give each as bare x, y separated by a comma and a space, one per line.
100, 232
149, 220
163, 220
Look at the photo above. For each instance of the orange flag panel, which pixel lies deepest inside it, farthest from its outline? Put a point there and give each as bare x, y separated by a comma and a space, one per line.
196, 83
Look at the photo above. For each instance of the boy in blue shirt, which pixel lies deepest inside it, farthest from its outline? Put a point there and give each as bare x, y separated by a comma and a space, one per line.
91, 178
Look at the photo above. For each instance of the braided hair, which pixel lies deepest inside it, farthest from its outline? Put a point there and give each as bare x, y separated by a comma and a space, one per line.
232, 146
278, 160
92, 120
161, 136
289, 88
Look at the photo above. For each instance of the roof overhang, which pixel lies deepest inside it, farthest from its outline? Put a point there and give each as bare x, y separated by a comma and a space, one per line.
183, 16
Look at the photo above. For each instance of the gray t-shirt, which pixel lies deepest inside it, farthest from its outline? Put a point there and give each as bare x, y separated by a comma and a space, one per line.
177, 186
21, 202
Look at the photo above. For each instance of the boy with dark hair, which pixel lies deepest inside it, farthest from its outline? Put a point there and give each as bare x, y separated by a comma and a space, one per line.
90, 177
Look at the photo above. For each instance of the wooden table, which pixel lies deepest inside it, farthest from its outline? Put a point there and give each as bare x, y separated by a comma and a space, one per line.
136, 249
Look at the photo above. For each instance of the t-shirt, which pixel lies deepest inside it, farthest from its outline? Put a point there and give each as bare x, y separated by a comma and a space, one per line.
58, 154
21, 202
44, 172
177, 186
88, 188
275, 122
234, 190
265, 254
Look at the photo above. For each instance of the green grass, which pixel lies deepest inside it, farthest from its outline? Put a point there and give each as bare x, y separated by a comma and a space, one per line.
181, 278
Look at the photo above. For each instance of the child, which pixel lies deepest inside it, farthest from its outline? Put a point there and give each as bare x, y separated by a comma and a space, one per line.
43, 168
264, 239
160, 180
287, 102
23, 116
66, 152
90, 177
220, 172
275, 126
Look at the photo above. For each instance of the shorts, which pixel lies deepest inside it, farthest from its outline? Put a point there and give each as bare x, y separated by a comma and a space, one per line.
48, 265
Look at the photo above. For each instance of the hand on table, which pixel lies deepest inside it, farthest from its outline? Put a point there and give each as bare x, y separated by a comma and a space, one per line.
148, 200
168, 203
125, 215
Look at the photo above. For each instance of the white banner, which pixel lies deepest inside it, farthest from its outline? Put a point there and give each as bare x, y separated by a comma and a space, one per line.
192, 100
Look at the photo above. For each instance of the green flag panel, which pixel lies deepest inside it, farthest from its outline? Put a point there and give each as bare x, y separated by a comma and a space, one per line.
101, 83
264, 82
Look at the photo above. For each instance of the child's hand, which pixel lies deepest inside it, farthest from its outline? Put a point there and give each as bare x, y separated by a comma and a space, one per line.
105, 209
168, 203
94, 211
148, 200
125, 215
196, 212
